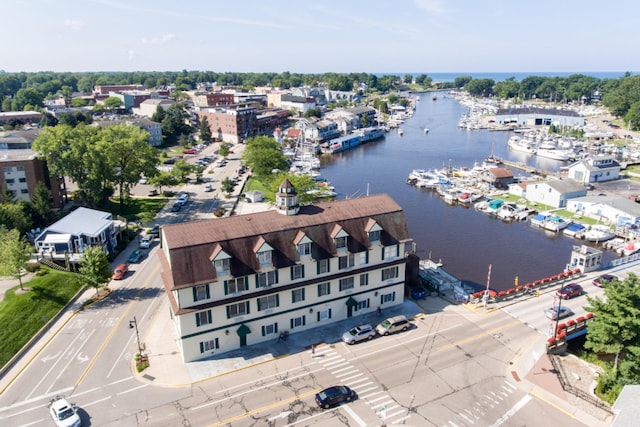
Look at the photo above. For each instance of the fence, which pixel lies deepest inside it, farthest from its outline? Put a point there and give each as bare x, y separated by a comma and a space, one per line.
566, 386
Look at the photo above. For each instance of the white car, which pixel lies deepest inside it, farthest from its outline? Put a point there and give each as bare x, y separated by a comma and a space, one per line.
63, 413
146, 241
359, 333
208, 187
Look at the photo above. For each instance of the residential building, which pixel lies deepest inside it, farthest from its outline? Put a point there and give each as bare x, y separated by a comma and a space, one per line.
498, 177
555, 192
236, 123
14, 118
595, 169
241, 280
153, 128
22, 170
101, 92
67, 239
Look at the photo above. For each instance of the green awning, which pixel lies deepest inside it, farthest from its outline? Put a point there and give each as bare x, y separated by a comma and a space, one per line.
351, 302
243, 330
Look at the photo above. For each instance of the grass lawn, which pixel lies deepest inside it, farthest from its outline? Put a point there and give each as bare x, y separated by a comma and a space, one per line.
254, 184
22, 314
138, 209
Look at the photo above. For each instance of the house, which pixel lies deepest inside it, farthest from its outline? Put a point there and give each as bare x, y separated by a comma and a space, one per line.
555, 192
498, 177
67, 239
608, 209
246, 279
149, 107
595, 169
300, 104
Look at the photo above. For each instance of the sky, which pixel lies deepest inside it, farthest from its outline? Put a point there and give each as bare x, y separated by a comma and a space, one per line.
318, 36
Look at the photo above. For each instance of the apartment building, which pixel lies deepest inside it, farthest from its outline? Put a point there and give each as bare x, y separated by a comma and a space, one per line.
242, 280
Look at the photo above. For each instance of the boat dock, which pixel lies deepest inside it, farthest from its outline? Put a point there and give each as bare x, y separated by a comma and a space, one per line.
526, 168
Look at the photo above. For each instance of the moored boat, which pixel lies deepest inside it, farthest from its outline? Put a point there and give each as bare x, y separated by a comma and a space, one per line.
575, 230
556, 223
599, 233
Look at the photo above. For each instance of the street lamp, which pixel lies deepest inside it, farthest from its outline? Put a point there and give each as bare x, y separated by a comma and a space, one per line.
133, 324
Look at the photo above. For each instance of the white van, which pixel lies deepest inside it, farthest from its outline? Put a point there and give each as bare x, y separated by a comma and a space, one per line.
183, 198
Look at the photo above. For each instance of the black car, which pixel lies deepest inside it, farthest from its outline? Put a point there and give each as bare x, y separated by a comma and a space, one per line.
334, 395
176, 207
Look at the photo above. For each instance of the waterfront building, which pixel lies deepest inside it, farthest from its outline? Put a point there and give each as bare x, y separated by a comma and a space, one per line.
246, 279
595, 169
555, 192
535, 116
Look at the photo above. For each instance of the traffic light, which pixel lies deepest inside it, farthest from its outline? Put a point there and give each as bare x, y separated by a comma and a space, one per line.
537, 293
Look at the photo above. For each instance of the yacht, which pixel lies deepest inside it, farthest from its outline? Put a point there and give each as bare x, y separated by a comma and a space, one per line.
516, 143
556, 223
599, 233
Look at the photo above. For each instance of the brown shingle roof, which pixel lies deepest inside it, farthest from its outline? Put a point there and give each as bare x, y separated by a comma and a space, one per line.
191, 244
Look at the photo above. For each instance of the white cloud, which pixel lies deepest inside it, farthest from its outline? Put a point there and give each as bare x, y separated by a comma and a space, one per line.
74, 24
158, 40
131, 54
434, 7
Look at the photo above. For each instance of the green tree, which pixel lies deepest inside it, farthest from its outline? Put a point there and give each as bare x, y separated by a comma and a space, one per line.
205, 130
16, 215
158, 115
181, 170
615, 330
94, 268
312, 112
78, 102
14, 253
226, 186
175, 123
42, 205
225, 149
263, 155
480, 87
408, 78
129, 154
112, 103
461, 81
27, 97
632, 117
163, 179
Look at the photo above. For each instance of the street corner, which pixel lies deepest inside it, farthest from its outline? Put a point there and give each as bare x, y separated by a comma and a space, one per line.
480, 309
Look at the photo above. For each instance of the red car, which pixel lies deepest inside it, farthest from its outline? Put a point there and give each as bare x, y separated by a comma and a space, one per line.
120, 272
189, 151
604, 280
569, 291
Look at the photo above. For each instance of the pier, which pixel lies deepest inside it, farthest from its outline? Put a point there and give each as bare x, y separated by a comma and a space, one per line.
526, 168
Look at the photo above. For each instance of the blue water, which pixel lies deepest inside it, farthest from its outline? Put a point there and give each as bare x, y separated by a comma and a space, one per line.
519, 76
465, 240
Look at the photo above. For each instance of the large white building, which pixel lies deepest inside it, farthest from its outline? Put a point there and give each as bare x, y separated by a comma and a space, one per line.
241, 280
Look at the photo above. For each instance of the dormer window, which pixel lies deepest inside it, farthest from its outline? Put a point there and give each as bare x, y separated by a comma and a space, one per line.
304, 249
264, 258
373, 230
374, 236
223, 266
340, 242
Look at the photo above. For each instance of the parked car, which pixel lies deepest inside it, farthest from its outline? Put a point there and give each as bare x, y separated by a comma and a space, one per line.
334, 395
146, 242
189, 151
393, 324
555, 312
120, 272
359, 333
152, 192
569, 291
183, 198
170, 161
143, 180
155, 232
63, 413
418, 292
208, 187
604, 280
176, 207
135, 256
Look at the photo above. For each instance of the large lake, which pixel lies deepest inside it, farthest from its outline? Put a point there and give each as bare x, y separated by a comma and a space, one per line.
464, 240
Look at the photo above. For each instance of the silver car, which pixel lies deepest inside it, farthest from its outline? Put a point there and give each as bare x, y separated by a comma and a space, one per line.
359, 333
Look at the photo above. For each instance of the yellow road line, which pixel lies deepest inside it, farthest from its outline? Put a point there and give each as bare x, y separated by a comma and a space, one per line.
480, 335
264, 408
115, 327
550, 403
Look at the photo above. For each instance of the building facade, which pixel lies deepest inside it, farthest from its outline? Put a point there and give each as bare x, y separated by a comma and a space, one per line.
241, 280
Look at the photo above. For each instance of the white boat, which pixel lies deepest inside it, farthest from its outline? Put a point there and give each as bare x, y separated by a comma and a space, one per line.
629, 248
556, 223
599, 233
400, 132
575, 230
469, 196
554, 154
539, 219
516, 143
451, 195
426, 130
513, 212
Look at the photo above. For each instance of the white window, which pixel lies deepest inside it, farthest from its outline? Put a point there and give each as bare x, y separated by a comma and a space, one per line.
270, 329
209, 345
364, 258
324, 315
390, 273
265, 303
236, 285
267, 279
346, 283
222, 265
264, 258
298, 321
297, 295
304, 249
203, 318
297, 272
323, 266
340, 242
200, 292
346, 261
388, 297
324, 289
390, 252
364, 279
239, 309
